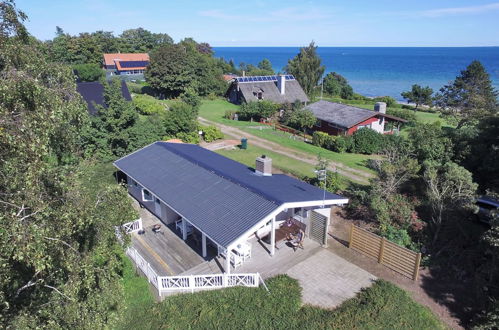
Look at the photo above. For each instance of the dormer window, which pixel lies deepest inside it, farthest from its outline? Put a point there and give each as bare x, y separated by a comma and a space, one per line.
258, 93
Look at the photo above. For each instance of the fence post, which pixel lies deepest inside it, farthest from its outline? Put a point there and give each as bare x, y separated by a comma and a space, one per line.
351, 235
381, 250
192, 283
416, 267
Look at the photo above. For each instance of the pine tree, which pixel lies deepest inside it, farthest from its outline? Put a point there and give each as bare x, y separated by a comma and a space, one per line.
306, 67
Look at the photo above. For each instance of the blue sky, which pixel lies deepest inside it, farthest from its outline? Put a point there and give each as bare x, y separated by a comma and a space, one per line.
279, 23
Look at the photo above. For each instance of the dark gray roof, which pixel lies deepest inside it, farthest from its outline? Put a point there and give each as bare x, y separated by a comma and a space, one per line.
340, 114
93, 94
222, 198
292, 91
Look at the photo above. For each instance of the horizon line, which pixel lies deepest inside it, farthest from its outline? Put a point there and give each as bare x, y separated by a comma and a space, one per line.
485, 46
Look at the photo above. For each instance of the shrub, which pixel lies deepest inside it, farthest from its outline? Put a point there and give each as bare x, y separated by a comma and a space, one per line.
211, 133
148, 105
191, 137
341, 144
319, 139
229, 114
404, 114
134, 88
367, 141
191, 98
258, 110
88, 72
390, 101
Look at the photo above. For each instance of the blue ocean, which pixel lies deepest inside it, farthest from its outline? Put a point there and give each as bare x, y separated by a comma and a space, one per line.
377, 71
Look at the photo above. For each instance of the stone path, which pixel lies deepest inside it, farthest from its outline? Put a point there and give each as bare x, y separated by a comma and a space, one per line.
328, 280
352, 173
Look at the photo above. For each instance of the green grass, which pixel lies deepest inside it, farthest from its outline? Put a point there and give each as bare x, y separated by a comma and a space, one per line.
357, 161
214, 110
382, 306
285, 164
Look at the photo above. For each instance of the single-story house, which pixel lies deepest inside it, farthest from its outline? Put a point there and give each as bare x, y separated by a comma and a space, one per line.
227, 202
341, 119
93, 94
279, 89
126, 64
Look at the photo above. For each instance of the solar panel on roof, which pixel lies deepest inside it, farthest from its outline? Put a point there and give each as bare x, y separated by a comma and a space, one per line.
133, 64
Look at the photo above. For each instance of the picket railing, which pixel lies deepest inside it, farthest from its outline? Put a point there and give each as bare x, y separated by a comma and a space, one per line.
204, 282
192, 282
132, 226
143, 265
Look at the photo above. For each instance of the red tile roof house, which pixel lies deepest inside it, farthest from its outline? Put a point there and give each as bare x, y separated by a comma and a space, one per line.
130, 66
340, 119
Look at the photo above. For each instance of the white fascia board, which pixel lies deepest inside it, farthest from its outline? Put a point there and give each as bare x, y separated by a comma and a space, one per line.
284, 206
317, 203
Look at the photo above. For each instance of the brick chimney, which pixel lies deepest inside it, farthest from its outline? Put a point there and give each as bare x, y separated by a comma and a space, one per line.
380, 107
281, 84
263, 166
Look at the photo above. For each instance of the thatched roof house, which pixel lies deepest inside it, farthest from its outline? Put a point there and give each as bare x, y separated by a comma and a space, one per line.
278, 89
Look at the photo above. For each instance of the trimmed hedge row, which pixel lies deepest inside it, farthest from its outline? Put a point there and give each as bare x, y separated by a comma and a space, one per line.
364, 141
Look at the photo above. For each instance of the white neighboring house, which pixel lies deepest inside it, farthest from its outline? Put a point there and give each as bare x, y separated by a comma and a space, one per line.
225, 201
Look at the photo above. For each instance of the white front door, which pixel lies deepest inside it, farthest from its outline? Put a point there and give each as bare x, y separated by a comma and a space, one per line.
157, 206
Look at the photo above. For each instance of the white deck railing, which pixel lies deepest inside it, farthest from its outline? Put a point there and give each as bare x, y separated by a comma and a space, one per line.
191, 282
143, 265
204, 282
132, 226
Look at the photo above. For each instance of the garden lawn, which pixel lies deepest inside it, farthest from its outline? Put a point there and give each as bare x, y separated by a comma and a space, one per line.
285, 164
382, 306
357, 161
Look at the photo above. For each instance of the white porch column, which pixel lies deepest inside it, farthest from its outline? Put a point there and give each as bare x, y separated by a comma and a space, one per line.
227, 261
272, 237
203, 243
184, 229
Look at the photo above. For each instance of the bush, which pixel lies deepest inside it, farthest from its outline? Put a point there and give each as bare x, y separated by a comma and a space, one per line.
229, 114
191, 137
88, 72
191, 98
258, 110
367, 141
148, 105
330, 142
390, 101
319, 139
342, 144
410, 116
211, 133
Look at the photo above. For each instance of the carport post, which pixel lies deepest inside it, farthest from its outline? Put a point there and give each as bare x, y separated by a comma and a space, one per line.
184, 229
227, 260
203, 241
272, 237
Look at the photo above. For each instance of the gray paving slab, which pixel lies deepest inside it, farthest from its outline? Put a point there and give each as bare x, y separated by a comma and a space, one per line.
328, 280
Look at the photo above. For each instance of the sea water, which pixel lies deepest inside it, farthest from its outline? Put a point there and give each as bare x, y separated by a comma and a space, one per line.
377, 71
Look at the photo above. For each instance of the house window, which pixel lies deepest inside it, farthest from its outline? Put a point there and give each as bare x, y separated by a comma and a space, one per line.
259, 95
134, 183
318, 123
146, 196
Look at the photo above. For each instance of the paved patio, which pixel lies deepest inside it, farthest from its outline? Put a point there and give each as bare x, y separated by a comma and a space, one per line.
328, 280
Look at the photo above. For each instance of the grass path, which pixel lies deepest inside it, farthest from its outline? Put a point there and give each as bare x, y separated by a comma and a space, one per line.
351, 173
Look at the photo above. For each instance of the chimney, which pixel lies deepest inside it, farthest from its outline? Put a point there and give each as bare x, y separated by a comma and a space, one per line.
263, 166
244, 73
380, 107
281, 84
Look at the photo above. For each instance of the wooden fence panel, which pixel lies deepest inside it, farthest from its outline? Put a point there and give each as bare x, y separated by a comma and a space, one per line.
389, 254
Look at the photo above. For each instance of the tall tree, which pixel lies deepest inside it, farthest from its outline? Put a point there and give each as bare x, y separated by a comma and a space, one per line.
108, 137
170, 71
419, 95
469, 97
337, 85
449, 189
60, 264
142, 40
306, 67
